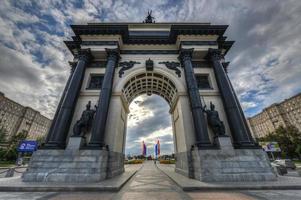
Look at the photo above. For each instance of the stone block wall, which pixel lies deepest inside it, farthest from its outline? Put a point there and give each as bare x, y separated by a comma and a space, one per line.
67, 166
235, 165
115, 164
183, 164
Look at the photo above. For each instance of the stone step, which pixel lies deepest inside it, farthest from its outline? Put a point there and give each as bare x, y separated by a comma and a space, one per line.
64, 177
65, 170
242, 177
67, 164
66, 158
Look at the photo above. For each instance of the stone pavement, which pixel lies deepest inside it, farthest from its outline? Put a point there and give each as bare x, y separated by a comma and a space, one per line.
150, 183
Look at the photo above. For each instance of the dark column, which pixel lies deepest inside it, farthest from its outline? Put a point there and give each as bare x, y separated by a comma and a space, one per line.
99, 124
59, 132
239, 128
72, 65
200, 125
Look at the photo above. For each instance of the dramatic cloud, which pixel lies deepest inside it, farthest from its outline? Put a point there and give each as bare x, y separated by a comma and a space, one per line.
265, 62
149, 120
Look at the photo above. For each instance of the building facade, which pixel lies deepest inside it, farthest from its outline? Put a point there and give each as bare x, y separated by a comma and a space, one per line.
15, 118
286, 113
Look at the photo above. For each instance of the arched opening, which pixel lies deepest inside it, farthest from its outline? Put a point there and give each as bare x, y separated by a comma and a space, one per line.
148, 122
150, 97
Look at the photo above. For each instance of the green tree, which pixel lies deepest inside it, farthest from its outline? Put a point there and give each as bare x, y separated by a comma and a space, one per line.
298, 151
11, 152
3, 135
41, 139
289, 140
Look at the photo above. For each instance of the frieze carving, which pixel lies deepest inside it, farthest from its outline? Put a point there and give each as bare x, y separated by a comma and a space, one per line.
125, 66
172, 66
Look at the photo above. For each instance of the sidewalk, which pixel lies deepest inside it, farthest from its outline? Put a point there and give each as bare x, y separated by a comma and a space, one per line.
187, 184
15, 184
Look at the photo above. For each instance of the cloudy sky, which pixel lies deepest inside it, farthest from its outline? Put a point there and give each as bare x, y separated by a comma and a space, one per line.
265, 59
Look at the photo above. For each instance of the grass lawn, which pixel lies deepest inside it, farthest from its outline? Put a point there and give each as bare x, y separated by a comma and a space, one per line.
297, 163
7, 163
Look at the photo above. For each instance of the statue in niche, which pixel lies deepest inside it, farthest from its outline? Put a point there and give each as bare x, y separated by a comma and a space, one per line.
83, 125
214, 121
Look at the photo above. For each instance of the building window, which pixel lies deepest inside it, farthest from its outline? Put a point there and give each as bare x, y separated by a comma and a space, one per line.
95, 82
203, 82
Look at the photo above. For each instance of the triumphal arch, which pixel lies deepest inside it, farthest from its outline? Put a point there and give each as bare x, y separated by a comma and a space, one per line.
116, 62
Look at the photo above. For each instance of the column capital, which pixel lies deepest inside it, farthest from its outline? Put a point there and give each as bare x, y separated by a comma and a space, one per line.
225, 65
113, 54
214, 54
84, 54
72, 66
185, 54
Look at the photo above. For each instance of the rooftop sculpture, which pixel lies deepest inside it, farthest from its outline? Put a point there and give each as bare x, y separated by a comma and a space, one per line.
149, 18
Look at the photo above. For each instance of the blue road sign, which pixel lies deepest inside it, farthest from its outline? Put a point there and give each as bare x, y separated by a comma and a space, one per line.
27, 146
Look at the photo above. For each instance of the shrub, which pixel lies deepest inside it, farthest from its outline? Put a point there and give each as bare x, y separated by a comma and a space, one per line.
134, 162
167, 161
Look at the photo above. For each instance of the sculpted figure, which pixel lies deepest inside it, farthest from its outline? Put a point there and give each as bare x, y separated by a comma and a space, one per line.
82, 126
149, 18
214, 121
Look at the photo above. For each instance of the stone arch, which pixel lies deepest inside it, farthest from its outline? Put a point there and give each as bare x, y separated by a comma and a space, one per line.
120, 84
150, 83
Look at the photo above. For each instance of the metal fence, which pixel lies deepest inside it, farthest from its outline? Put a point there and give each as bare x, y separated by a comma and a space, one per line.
11, 171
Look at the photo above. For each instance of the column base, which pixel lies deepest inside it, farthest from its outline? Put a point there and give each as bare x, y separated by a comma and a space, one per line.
246, 145
204, 145
96, 146
53, 145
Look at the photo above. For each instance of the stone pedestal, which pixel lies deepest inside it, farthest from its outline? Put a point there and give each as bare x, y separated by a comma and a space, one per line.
67, 166
115, 164
75, 143
224, 143
73, 165
228, 164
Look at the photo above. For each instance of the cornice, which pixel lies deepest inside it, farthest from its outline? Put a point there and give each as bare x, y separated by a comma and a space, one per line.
130, 36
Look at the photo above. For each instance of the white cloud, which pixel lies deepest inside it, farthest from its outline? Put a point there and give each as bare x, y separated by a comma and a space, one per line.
138, 113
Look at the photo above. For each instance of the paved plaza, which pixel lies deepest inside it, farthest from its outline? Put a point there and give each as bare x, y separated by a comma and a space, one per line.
151, 183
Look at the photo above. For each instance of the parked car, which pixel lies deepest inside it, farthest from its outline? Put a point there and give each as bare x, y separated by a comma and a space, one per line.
288, 163
279, 169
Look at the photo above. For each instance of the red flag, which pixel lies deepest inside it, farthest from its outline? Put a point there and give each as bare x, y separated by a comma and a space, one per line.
143, 148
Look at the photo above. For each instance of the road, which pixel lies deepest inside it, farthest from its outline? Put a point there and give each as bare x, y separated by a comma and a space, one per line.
150, 183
